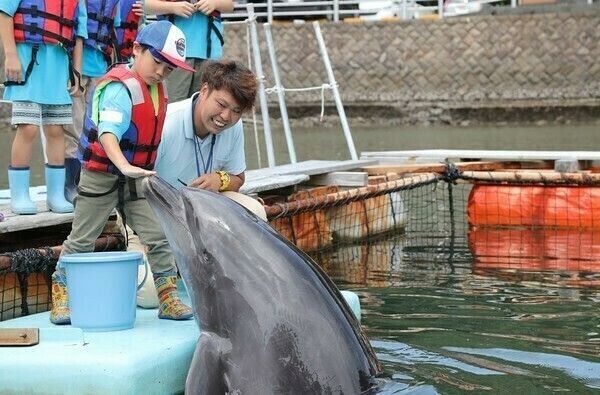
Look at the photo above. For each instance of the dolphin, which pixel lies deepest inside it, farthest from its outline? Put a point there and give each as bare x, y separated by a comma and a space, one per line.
271, 320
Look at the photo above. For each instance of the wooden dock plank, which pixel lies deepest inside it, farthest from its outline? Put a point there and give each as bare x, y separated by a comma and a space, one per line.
14, 222
431, 167
259, 180
310, 167
255, 185
442, 154
341, 178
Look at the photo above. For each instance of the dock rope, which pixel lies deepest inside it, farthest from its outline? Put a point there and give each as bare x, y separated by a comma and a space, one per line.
30, 260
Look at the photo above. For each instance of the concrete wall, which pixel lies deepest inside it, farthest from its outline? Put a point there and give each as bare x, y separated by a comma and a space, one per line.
519, 67
484, 66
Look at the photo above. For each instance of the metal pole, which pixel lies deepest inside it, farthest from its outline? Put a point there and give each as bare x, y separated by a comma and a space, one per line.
441, 8
404, 9
270, 11
336, 10
336, 93
280, 94
262, 95
513, 3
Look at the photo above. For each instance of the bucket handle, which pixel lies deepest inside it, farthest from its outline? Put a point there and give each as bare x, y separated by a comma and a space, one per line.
145, 274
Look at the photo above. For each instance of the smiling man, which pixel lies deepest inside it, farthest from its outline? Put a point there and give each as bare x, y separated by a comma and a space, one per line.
203, 139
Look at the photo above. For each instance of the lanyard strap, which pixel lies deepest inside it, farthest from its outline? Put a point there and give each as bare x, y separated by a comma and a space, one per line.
206, 166
198, 146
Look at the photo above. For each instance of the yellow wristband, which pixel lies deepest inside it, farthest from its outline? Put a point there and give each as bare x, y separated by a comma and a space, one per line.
225, 179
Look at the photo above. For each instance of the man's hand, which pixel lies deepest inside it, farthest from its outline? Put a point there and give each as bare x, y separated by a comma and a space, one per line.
183, 9
136, 172
138, 8
210, 182
206, 7
12, 68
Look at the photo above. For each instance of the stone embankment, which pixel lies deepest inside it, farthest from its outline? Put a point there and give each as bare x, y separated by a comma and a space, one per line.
529, 65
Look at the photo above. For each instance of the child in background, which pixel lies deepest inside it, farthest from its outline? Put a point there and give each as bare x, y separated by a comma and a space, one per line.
42, 46
122, 129
97, 56
132, 13
201, 23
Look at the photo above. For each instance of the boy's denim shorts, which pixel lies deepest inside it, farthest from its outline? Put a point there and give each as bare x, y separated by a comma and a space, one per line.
30, 113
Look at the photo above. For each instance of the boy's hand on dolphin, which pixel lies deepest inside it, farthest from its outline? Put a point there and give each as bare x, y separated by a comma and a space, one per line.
210, 182
136, 172
207, 7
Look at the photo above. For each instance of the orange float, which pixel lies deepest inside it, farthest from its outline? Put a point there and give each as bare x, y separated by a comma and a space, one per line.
534, 206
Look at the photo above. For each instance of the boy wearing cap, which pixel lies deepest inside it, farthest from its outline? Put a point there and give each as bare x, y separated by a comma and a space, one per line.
200, 21
121, 132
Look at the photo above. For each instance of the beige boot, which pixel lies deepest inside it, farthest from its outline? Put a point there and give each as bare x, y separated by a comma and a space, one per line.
60, 313
170, 307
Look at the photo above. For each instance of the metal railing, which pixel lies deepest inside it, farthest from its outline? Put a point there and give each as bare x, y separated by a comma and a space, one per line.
335, 10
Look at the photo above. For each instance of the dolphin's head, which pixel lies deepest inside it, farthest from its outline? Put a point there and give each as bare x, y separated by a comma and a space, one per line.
207, 233
220, 226
164, 199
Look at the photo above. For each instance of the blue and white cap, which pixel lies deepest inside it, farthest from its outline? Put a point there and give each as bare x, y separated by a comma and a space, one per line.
166, 42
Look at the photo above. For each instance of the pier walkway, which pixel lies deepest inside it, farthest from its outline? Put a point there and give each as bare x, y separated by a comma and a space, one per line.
260, 180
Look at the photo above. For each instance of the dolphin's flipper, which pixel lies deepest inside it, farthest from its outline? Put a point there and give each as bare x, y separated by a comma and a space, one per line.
206, 374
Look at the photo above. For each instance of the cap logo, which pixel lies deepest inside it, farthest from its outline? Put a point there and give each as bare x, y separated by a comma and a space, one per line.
180, 46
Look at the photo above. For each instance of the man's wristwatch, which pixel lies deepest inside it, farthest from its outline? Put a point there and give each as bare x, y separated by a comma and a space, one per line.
225, 179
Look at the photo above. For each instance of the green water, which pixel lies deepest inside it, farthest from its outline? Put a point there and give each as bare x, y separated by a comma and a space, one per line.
445, 316
329, 143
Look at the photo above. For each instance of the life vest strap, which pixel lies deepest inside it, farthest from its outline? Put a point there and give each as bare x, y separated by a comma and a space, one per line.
35, 12
34, 50
101, 38
34, 29
128, 25
212, 28
101, 19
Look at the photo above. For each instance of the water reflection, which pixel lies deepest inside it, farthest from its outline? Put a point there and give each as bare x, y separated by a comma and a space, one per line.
472, 311
588, 372
562, 257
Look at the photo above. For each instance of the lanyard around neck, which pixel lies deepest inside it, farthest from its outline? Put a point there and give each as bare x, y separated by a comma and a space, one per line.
206, 166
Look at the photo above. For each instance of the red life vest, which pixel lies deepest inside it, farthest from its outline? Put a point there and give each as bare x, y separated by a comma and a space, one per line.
127, 30
140, 142
46, 22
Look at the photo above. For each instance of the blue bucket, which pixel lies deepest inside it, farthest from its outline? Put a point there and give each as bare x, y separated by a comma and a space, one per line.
102, 289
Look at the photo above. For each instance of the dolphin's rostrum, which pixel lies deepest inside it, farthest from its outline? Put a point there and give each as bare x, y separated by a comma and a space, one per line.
272, 321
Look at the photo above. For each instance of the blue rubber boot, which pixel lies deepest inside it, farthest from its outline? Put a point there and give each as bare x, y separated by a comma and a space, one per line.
72, 170
18, 182
55, 190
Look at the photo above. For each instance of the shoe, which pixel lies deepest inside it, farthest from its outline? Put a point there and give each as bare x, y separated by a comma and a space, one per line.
18, 183
72, 170
55, 190
60, 314
170, 307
